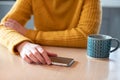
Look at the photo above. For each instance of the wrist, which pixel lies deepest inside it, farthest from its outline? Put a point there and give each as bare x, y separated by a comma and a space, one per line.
21, 45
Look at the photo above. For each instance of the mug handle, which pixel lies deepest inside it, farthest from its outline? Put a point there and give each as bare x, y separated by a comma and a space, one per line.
118, 43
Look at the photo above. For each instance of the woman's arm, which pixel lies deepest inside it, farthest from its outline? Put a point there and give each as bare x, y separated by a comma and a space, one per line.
89, 23
21, 12
15, 42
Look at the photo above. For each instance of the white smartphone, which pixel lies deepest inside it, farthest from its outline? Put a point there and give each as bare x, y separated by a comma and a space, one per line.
62, 61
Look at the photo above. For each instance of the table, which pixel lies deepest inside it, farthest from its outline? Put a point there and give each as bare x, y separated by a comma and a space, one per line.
12, 67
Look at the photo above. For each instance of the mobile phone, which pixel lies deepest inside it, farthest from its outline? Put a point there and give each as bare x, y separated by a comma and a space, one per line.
62, 61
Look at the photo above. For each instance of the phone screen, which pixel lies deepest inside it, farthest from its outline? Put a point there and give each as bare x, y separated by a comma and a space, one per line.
62, 61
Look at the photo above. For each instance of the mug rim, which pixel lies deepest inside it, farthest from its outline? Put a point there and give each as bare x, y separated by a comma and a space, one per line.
94, 36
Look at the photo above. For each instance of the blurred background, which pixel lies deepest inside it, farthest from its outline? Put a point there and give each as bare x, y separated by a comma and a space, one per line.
110, 16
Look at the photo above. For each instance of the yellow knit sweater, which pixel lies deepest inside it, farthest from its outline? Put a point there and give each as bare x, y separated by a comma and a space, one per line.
57, 22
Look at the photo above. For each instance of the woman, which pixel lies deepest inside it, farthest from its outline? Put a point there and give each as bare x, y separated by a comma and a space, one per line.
64, 23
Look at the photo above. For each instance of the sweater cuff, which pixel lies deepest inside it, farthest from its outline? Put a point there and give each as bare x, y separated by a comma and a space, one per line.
15, 42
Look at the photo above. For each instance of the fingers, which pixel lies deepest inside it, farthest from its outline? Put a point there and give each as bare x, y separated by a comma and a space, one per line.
26, 58
45, 55
15, 26
35, 53
7, 24
10, 25
12, 21
41, 55
38, 56
32, 57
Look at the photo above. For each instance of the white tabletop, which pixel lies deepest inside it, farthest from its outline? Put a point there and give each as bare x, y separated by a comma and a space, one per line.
12, 67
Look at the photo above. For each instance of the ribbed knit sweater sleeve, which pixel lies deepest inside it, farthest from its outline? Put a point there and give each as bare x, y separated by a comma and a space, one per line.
89, 23
8, 37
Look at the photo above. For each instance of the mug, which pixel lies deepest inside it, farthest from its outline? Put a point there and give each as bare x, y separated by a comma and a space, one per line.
99, 46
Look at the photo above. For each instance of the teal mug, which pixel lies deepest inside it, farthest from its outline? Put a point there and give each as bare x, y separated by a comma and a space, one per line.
99, 46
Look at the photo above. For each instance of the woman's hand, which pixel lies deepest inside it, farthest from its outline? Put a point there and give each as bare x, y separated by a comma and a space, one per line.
10, 23
33, 53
